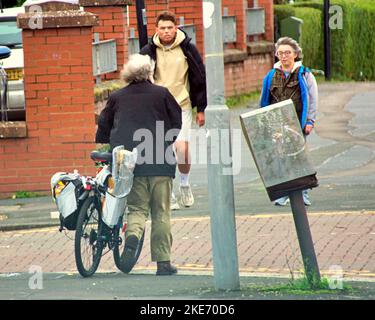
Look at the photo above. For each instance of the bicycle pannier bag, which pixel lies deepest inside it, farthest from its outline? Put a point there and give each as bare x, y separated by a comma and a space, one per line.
66, 189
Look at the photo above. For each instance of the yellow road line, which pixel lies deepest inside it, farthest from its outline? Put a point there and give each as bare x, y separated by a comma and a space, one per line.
205, 218
281, 215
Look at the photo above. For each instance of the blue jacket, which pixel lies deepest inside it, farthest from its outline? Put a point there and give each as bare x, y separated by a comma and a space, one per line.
267, 81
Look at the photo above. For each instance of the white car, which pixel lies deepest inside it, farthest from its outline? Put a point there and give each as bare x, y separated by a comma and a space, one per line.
11, 36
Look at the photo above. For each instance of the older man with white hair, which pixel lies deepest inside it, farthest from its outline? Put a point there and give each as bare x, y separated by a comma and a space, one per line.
145, 116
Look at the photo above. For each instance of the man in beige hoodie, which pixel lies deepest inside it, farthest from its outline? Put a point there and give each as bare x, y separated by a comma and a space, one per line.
179, 68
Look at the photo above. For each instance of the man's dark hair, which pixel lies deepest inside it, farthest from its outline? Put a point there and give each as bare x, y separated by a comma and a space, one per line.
166, 16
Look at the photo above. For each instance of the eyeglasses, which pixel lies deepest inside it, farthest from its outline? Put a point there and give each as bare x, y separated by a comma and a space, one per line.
282, 53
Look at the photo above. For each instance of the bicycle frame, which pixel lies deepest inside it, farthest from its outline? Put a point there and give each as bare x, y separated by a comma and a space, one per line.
107, 234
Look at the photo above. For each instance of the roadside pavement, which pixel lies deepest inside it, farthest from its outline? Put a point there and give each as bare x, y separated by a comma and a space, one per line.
342, 220
145, 286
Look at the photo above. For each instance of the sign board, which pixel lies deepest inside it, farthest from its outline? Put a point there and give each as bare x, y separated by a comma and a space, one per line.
255, 21
104, 57
229, 29
278, 146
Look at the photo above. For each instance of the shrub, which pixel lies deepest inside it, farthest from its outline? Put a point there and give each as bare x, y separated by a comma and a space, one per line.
352, 48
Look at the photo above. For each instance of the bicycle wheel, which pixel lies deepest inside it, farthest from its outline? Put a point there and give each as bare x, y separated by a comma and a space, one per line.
119, 233
88, 250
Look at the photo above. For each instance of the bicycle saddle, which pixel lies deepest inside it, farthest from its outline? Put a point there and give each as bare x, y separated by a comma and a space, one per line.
101, 156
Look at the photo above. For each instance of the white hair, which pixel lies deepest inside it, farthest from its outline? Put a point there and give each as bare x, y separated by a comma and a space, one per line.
138, 68
290, 42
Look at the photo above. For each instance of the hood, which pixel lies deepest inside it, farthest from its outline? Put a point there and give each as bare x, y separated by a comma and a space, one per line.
180, 37
15, 60
12, 12
297, 64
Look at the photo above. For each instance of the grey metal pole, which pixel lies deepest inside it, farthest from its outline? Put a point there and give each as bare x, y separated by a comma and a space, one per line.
220, 177
304, 238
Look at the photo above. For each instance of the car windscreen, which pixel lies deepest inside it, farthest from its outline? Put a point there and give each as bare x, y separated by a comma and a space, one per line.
10, 35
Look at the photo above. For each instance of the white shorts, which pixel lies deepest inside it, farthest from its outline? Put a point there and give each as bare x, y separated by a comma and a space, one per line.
187, 120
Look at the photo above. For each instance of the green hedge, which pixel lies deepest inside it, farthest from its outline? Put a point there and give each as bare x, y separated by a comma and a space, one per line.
352, 48
312, 41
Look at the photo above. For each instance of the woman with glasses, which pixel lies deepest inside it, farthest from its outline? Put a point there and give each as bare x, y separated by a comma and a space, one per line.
289, 79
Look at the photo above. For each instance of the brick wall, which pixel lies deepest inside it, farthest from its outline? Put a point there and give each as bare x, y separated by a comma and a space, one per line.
59, 88
60, 119
246, 76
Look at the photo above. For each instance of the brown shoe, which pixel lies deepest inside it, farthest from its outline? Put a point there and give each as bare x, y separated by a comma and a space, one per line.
165, 268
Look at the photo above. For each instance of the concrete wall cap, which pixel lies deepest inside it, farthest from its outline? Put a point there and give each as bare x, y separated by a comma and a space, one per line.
105, 3
13, 129
260, 47
234, 55
58, 19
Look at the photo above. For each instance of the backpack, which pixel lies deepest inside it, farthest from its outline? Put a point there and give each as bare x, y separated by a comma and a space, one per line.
66, 190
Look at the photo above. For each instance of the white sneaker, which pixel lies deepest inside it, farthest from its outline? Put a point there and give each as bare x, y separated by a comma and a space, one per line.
174, 202
282, 201
306, 198
187, 198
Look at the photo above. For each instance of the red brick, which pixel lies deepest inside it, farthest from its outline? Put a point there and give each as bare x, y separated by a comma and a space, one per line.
37, 102
119, 15
50, 124
47, 79
104, 29
35, 70
68, 31
36, 86
106, 16
47, 32
59, 85
58, 70
39, 133
36, 117
29, 172
34, 40
81, 69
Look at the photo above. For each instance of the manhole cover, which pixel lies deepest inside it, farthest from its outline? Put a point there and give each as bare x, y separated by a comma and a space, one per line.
3, 217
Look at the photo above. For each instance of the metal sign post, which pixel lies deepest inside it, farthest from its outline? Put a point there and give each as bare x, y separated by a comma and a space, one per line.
220, 177
304, 238
278, 146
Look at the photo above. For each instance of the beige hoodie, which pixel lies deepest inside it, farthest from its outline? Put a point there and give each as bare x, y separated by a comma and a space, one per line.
172, 69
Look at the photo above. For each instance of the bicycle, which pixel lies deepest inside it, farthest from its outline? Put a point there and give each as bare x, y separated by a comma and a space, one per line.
94, 230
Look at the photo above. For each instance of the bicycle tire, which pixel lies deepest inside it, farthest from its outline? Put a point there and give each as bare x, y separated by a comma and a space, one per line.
91, 235
117, 251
